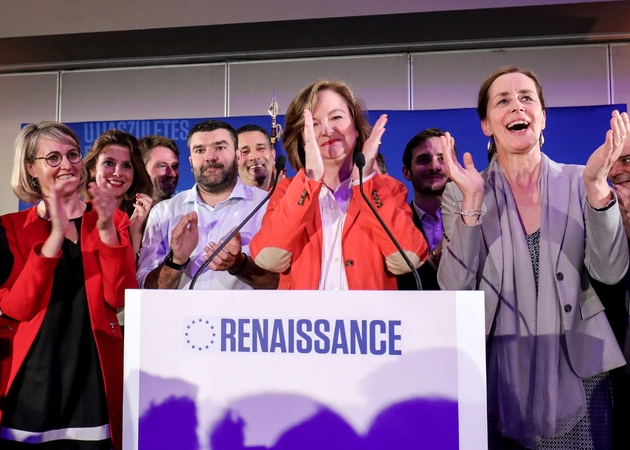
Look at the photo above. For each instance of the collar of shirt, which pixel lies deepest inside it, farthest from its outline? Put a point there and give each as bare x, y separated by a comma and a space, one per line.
213, 225
239, 192
341, 195
432, 227
333, 208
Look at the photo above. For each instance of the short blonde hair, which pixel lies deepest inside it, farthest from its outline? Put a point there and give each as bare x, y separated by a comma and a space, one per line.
307, 99
26, 144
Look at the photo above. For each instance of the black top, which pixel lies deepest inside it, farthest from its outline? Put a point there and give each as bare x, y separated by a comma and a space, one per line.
60, 384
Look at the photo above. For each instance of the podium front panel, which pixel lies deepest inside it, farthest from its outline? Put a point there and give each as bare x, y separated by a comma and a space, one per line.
360, 370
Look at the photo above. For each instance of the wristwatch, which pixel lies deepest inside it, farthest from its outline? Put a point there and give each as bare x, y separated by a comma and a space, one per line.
168, 262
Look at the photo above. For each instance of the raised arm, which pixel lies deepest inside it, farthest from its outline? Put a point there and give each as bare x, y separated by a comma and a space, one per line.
461, 245
606, 251
183, 242
291, 209
598, 166
117, 263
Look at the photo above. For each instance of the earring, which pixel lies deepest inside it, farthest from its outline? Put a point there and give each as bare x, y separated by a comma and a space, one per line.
35, 183
541, 140
491, 144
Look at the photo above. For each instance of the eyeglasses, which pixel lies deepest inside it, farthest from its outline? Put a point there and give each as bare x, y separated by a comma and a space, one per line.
54, 158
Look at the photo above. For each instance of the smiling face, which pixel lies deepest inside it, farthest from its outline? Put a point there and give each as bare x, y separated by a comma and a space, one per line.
620, 171
113, 171
66, 175
256, 160
427, 172
163, 168
334, 126
515, 117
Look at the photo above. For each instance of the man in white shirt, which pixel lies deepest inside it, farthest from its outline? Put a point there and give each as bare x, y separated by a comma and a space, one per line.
423, 165
181, 232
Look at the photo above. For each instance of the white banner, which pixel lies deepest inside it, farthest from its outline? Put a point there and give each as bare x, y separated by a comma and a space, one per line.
304, 369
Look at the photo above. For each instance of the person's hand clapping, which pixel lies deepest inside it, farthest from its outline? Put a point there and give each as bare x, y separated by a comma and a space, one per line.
184, 238
227, 258
603, 158
105, 204
141, 210
466, 177
313, 162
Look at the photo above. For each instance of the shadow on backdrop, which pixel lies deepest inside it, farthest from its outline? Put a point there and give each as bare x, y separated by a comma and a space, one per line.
412, 424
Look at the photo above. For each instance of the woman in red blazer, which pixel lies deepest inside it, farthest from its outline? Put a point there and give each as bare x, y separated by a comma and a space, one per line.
62, 382
318, 232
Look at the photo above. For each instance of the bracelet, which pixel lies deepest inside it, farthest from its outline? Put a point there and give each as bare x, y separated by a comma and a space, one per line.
607, 206
433, 259
470, 212
241, 267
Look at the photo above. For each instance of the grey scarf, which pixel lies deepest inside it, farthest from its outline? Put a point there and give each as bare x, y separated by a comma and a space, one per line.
531, 387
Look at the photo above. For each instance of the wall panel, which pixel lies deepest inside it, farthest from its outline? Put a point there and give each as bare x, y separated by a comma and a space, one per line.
571, 76
620, 56
144, 93
382, 81
23, 99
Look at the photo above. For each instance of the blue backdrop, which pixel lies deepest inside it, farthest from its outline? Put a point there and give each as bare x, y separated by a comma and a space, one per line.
571, 135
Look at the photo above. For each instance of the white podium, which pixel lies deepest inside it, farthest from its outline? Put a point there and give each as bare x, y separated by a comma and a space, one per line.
304, 370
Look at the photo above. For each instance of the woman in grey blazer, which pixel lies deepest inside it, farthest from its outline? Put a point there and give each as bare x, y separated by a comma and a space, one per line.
527, 231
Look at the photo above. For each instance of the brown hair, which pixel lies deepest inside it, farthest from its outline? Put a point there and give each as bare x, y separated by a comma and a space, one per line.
482, 100
141, 180
306, 99
148, 143
26, 145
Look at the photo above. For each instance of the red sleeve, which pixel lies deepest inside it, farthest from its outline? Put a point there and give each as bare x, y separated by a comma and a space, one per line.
291, 208
28, 289
118, 264
389, 197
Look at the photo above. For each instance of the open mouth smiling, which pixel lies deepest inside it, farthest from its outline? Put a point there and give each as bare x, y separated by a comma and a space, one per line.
518, 126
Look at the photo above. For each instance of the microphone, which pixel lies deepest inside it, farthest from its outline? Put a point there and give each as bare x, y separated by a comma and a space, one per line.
280, 163
359, 161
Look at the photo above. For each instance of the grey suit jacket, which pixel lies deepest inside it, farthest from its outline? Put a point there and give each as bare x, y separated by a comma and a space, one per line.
584, 240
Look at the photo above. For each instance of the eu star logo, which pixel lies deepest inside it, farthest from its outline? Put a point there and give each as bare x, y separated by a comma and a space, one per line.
200, 334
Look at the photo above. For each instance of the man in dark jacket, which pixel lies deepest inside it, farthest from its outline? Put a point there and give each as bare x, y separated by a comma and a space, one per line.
423, 165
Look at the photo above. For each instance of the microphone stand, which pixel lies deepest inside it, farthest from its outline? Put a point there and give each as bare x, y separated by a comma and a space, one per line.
359, 161
280, 163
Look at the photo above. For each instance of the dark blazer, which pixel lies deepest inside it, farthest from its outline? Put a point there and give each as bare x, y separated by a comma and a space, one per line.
428, 275
613, 298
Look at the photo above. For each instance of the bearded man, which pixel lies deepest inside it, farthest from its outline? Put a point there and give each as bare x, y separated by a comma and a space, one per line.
183, 231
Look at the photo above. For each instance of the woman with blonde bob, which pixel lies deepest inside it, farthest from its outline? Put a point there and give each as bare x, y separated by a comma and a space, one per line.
528, 232
318, 232
72, 261
115, 164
